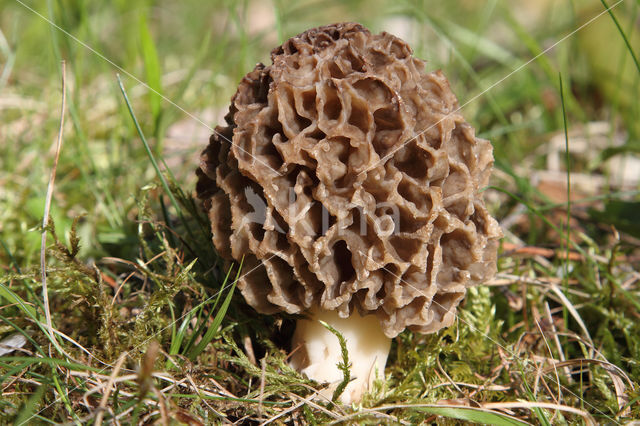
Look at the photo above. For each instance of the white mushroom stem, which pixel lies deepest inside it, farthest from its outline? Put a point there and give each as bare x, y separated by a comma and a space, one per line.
317, 351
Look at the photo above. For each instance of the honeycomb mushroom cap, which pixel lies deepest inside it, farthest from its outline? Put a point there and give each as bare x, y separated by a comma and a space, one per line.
352, 182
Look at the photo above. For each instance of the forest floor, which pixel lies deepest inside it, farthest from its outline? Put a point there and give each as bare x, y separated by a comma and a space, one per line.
139, 323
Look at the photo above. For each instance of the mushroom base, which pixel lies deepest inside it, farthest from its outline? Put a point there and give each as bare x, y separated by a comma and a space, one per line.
317, 351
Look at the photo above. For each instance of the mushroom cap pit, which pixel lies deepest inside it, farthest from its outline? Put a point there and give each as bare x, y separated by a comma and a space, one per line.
351, 182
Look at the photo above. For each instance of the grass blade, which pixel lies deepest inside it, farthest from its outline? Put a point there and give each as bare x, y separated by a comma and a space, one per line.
47, 207
163, 180
52, 362
212, 331
23, 332
474, 415
622, 33
30, 408
13, 298
152, 69
565, 262
203, 322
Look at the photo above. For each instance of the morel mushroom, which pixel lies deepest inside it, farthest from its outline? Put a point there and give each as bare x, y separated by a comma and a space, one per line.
350, 183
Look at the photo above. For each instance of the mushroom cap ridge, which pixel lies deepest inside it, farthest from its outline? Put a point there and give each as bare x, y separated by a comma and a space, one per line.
352, 182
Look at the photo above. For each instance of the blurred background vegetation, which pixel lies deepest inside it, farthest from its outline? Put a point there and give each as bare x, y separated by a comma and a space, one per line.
571, 267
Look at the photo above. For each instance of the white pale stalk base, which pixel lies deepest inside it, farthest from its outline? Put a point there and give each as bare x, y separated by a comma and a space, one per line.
317, 352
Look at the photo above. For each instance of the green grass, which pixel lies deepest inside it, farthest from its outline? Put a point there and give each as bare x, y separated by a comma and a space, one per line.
132, 274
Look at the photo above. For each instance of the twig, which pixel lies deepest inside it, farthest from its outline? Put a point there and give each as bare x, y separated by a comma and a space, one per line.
162, 406
514, 249
544, 339
317, 395
263, 363
556, 339
490, 388
248, 348
198, 391
285, 412
130, 378
309, 402
448, 377
107, 392
574, 313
